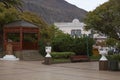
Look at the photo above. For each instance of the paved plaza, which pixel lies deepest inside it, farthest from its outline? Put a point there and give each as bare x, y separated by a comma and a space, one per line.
35, 70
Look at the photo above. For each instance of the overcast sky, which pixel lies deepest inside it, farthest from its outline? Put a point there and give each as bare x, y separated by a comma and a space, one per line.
88, 5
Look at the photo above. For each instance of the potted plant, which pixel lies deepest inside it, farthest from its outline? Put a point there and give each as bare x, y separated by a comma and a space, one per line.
113, 62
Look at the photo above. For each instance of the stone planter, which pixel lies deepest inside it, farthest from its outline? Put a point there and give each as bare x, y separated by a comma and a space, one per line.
103, 65
113, 65
48, 60
103, 62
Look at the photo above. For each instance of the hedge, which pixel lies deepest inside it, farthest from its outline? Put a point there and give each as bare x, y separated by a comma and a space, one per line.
64, 55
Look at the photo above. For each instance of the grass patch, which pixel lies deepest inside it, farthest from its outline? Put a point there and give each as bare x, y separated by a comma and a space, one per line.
61, 60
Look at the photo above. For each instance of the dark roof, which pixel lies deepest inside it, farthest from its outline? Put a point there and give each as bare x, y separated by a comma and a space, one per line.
20, 23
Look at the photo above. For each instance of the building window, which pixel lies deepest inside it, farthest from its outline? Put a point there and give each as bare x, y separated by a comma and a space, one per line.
76, 32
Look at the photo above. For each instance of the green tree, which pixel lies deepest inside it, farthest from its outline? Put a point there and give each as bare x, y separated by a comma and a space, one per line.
50, 32
47, 36
8, 11
33, 18
62, 43
7, 14
105, 19
111, 42
14, 3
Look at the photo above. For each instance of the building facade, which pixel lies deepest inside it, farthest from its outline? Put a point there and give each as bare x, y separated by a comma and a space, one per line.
75, 28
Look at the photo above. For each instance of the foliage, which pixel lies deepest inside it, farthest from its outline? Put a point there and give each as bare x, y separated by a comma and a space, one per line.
12, 3
105, 19
81, 46
33, 18
64, 55
62, 43
14, 37
113, 57
8, 11
111, 42
11, 14
30, 37
7, 15
42, 45
118, 45
47, 35
95, 57
50, 32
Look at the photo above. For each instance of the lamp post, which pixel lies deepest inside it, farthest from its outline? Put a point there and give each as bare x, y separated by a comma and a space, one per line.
87, 47
87, 44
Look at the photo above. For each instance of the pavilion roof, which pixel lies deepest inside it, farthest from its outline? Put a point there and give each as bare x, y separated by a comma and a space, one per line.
20, 23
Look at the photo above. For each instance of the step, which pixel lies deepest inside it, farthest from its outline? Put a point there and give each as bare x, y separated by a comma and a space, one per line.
30, 55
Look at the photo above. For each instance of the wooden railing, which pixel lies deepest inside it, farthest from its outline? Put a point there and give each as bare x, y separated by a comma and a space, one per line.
25, 46
30, 46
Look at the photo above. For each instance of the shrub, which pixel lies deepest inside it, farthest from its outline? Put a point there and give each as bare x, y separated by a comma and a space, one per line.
111, 42
42, 47
114, 57
66, 43
82, 45
65, 55
95, 57
62, 43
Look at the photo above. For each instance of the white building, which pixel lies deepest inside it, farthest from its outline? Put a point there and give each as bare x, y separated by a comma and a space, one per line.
74, 28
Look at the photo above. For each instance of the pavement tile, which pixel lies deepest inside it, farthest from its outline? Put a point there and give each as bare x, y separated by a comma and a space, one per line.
35, 70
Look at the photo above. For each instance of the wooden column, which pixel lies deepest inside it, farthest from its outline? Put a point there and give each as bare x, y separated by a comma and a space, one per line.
4, 40
38, 35
21, 38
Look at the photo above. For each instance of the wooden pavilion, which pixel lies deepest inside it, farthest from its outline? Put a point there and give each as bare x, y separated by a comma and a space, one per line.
22, 34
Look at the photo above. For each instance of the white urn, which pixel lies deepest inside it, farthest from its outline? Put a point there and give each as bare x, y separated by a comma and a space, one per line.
48, 51
103, 52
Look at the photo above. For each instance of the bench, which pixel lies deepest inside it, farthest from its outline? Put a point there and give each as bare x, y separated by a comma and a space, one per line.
79, 58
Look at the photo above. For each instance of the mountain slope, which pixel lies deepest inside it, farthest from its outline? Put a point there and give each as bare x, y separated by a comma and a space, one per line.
54, 10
